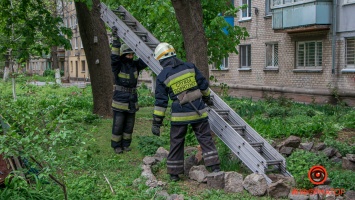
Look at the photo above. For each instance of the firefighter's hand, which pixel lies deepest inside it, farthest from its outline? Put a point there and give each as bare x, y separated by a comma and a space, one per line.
115, 39
207, 100
156, 129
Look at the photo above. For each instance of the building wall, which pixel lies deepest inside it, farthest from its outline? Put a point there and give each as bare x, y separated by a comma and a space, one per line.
301, 85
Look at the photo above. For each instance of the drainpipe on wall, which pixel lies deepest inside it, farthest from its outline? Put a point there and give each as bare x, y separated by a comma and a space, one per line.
334, 34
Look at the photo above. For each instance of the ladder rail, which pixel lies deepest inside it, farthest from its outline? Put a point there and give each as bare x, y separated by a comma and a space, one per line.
131, 39
235, 142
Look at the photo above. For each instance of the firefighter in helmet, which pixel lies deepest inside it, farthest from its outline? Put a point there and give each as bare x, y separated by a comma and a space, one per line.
184, 84
125, 98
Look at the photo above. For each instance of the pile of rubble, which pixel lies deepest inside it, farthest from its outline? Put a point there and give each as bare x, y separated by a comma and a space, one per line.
255, 184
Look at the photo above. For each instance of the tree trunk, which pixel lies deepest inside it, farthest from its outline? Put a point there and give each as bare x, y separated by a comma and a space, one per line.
190, 19
97, 52
54, 57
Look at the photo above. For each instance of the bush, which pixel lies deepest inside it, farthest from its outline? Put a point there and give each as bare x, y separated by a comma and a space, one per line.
299, 163
148, 145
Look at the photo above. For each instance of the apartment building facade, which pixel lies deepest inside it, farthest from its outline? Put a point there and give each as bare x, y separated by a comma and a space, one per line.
296, 48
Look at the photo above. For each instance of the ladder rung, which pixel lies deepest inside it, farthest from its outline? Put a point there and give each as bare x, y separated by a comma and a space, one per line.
140, 33
274, 162
256, 144
129, 23
222, 111
151, 44
238, 127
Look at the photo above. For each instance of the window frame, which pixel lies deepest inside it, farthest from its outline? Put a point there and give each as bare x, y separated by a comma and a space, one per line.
273, 66
316, 56
351, 66
248, 10
268, 11
225, 62
83, 66
248, 49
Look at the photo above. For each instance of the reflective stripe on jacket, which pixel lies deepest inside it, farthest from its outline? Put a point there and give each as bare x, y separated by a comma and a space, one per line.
126, 75
175, 78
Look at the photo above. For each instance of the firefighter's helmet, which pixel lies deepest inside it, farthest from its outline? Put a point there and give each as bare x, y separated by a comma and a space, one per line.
125, 49
164, 50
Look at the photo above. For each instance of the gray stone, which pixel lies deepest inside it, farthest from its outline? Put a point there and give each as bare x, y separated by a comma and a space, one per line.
306, 146
338, 154
339, 198
347, 164
176, 197
298, 196
154, 183
319, 147
350, 157
198, 173
161, 153
292, 141
215, 180
329, 152
314, 197
163, 194
278, 189
336, 159
147, 172
255, 184
349, 195
233, 182
191, 151
290, 181
189, 162
286, 150
149, 160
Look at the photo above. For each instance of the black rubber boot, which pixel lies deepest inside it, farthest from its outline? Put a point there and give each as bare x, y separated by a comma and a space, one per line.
174, 177
118, 150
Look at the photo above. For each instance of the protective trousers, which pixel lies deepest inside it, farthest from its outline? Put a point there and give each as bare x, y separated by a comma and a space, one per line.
175, 161
122, 129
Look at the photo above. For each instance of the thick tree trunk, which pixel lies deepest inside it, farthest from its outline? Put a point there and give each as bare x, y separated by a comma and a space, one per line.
190, 19
97, 52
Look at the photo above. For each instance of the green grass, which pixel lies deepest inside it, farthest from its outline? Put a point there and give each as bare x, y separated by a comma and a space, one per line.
56, 126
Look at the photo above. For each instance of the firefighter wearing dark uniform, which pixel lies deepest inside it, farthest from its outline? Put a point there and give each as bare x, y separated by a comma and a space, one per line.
125, 99
184, 84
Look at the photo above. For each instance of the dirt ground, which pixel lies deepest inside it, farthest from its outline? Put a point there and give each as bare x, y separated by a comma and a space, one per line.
347, 136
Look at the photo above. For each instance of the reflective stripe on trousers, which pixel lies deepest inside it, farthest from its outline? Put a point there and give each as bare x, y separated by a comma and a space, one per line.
175, 161
122, 129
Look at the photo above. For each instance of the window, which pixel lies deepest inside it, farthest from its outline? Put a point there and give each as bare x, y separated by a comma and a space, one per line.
245, 56
272, 55
71, 66
81, 43
246, 13
309, 54
350, 53
222, 66
76, 43
83, 66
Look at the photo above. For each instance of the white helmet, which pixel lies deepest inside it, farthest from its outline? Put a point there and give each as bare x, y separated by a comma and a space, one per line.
164, 50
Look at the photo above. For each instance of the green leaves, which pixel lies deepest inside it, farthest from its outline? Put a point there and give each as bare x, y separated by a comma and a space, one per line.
30, 28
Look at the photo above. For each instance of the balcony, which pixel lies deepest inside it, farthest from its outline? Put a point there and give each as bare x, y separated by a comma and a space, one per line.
290, 14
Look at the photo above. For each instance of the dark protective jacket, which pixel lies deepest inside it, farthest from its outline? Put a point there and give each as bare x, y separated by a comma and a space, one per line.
176, 78
126, 73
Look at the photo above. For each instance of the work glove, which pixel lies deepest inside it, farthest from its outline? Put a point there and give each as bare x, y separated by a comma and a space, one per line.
115, 39
157, 122
207, 100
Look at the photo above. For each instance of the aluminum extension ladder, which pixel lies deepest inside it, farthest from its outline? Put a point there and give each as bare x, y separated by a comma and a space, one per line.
253, 150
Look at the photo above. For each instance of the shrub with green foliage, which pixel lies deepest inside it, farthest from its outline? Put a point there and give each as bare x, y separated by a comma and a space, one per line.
148, 145
299, 163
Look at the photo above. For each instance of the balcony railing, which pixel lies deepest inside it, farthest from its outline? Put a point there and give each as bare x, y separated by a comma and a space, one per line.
296, 13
